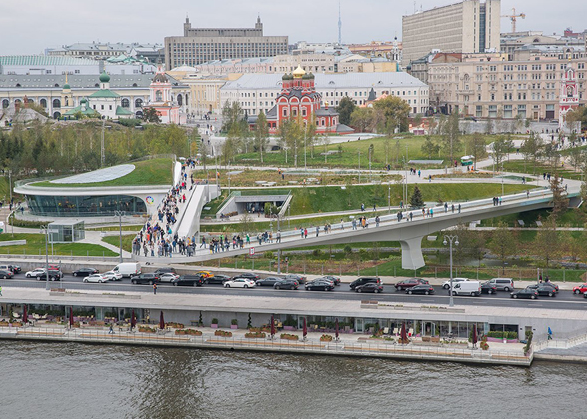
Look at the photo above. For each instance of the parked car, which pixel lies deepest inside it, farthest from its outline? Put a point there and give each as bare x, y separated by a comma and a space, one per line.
550, 284
167, 277
15, 269
543, 289
239, 283
148, 278
247, 275
206, 274
267, 282
319, 285
446, 284
128, 269
286, 283
580, 289
217, 279
364, 280
300, 278
96, 278
488, 288
113, 276
525, 293
409, 283
370, 287
34, 273
6, 274
167, 269
503, 284
472, 288
335, 279
425, 289
40, 275
85, 272
188, 280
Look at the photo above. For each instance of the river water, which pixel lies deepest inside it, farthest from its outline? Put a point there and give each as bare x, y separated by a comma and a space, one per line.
69, 380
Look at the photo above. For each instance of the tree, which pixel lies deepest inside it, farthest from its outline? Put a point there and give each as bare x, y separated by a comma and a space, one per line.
395, 111
362, 119
150, 114
430, 147
501, 147
532, 149
476, 147
416, 200
261, 133
232, 114
345, 109
451, 136
561, 203
246, 223
547, 241
503, 243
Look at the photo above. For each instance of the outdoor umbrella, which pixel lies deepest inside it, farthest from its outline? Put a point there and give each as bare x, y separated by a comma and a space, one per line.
25, 315
403, 334
133, 320
305, 330
272, 326
336, 328
474, 335
161, 321
70, 316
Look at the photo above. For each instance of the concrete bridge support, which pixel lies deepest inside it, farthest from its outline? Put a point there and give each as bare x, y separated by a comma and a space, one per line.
412, 257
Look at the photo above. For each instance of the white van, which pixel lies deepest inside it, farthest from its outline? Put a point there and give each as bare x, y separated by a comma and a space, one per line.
128, 269
472, 288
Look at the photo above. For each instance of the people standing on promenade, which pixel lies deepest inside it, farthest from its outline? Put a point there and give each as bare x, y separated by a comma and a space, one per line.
341, 224
305, 233
155, 289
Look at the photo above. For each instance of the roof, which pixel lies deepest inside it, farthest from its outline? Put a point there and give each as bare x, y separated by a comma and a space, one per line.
107, 46
330, 111
120, 111
88, 111
323, 81
42, 60
77, 82
104, 94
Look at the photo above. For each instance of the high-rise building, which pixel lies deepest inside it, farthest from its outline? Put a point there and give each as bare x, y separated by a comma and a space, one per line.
199, 45
468, 27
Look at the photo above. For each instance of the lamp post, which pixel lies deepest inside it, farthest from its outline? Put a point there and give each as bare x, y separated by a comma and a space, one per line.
389, 195
45, 230
449, 239
359, 167
119, 214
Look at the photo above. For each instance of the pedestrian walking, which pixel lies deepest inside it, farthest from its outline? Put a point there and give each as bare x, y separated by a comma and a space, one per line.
341, 224
0, 291
155, 289
111, 330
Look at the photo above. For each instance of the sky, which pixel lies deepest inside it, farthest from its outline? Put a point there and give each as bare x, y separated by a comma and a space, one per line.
31, 26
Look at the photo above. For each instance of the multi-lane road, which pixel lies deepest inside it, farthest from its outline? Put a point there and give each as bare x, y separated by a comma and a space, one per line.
564, 300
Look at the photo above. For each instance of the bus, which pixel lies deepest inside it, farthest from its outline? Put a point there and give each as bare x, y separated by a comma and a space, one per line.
467, 161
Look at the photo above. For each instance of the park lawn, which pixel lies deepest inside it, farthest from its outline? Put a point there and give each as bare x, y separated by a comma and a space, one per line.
147, 172
115, 241
519, 166
572, 217
133, 228
35, 245
347, 153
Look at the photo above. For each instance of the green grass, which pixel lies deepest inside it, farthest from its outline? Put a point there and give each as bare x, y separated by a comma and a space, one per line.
115, 241
572, 217
35, 245
147, 172
519, 166
133, 228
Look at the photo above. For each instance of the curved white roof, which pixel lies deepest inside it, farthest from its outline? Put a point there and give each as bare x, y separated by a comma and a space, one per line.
100, 175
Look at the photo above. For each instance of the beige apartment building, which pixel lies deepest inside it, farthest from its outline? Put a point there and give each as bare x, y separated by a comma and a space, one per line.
489, 86
469, 26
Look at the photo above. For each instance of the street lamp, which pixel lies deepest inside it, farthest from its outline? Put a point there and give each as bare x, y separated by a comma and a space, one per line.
119, 214
45, 230
389, 195
456, 242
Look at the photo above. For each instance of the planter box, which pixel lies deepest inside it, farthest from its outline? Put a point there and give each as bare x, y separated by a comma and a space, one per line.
214, 326
234, 326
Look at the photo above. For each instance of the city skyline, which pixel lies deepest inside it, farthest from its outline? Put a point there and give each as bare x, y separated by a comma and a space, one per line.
70, 22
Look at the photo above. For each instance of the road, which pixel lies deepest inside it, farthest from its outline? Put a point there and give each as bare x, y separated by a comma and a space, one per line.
564, 300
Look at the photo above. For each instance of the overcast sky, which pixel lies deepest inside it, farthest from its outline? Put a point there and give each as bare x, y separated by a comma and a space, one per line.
28, 27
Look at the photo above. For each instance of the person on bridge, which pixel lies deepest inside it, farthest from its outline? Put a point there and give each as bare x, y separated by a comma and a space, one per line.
305, 233
278, 238
459, 208
341, 224
301, 232
431, 212
445, 207
354, 224
377, 221
411, 215
317, 231
155, 289
362, 207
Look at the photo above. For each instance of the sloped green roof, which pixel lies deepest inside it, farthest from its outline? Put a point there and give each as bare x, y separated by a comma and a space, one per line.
120, 111
39, 60
89, 112
104, 93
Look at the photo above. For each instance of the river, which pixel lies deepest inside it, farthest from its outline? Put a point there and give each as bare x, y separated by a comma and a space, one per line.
70, 380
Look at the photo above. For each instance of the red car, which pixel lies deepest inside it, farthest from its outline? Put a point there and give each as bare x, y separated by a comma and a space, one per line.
580, 289
409, 283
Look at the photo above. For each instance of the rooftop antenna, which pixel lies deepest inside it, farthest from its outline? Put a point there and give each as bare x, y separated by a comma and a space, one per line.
339, 25
415, 9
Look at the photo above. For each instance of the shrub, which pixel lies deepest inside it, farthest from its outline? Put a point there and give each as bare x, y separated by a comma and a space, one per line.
192, 332
326, 338
289, 336
223, 333
255, 335
214, 321
234, 322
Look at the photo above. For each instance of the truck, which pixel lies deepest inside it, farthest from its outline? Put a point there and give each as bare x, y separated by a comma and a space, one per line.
128, 269
472, 288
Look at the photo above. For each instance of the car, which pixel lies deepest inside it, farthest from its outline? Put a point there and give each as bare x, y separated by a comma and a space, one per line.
112, 276
335, 279
96, 278
370, 287
286, 283
319, 285
503, 284
267, 282
148, 278
85, 272
247, 275
205, 274
239, 283
168, 277
580, 289
217, 279
15, 269
525, 293
364, 280
551, 284
446, 284
167, 269
300, 278
409, 283
39, 274
488, 288
35, 272
425, 289
543, 289
188, 280
6, 274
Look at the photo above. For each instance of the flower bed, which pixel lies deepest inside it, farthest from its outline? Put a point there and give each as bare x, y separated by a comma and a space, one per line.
289, 336
192, 332
255, 335
326, 338
175, 325
147, 329
223, 333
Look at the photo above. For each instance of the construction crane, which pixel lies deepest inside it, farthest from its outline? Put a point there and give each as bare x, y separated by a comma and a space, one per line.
513, 17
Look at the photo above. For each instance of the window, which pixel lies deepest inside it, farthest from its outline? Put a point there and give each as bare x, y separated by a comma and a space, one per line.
125, 103
493, 111
522, 111
507, 111
56, 103
43, 103
478, 111
138, 103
